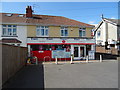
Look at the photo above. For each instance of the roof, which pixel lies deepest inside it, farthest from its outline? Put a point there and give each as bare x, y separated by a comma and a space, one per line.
41, 20
116, 21
10, 40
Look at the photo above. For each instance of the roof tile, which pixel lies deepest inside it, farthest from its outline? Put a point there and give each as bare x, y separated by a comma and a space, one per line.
42, 19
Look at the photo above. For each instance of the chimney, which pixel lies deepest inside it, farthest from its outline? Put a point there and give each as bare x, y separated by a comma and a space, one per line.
29, 12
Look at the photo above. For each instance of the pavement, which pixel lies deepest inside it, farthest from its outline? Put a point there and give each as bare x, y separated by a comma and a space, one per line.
66, 75
31, 76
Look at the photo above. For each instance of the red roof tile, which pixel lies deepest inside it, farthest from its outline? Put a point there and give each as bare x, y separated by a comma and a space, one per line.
42, 19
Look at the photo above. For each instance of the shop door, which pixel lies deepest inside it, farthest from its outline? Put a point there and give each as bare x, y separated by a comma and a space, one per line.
79, 52
76, 52
82, 52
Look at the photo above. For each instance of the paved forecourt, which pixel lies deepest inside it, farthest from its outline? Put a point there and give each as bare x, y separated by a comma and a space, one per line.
82, 75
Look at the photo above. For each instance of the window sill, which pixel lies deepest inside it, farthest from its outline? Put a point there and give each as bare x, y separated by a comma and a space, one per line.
8, 36
42, 36
64, 36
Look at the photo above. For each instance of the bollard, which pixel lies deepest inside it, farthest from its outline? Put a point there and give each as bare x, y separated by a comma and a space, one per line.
56, 61
87, 59
118, 58
100, 58
36, 60
71, 62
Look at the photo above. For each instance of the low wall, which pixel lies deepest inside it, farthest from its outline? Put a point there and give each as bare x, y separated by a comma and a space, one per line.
13, 59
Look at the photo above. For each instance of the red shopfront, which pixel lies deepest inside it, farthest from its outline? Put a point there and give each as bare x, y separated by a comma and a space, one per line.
63, 51
48, 52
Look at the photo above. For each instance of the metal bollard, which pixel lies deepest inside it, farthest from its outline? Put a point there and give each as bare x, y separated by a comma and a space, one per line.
87, 59
100, 58
56, 61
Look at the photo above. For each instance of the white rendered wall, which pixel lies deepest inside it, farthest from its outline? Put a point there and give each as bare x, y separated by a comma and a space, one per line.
102, 33
21, 35
0, 32
112, 32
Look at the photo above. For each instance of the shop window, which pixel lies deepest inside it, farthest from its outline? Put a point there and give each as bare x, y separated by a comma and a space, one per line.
34, 47
50, 47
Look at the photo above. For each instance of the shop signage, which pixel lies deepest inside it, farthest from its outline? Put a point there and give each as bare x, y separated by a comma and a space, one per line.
60, 54
91, 54
40, 51
59, 40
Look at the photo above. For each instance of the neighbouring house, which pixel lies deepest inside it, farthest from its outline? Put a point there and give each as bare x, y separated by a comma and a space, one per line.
13, 29
107, 34
48, 37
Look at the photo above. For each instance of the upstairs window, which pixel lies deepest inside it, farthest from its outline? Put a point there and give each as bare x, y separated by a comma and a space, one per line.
42, 31
64, 31
82, 32
9, 30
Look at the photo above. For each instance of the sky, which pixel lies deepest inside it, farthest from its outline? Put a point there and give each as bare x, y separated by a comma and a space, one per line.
87, 12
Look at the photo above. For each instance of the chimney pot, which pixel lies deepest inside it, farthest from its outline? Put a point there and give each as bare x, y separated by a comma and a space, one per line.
29, 12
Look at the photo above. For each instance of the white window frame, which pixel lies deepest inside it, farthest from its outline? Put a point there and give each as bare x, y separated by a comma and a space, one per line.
83, 30
12, 28
39, 31
64, 29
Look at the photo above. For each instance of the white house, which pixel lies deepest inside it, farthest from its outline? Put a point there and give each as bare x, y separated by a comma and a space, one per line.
107, 32
11, 32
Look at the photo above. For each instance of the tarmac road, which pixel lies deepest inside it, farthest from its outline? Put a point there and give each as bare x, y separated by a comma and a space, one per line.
79, 75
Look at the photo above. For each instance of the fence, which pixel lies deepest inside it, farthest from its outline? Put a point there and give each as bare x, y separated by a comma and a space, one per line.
13, 59
0, 67
101, 49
